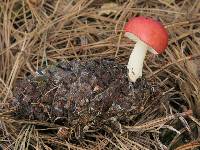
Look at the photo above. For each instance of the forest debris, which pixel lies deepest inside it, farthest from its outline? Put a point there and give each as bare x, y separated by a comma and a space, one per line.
108, 8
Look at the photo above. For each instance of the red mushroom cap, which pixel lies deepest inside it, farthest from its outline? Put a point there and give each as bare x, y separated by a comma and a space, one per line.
149, 31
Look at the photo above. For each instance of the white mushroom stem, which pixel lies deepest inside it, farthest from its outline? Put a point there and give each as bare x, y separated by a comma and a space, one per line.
136, 59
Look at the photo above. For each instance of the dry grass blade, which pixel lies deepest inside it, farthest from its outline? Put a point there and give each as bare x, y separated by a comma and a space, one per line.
23, 140
131, 143
156, 123
191, 145
101, 145
10, 120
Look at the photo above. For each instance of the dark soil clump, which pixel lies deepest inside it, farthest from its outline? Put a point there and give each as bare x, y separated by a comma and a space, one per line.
84, 95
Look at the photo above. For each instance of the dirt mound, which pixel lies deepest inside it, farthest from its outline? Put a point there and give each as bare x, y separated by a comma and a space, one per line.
84, 94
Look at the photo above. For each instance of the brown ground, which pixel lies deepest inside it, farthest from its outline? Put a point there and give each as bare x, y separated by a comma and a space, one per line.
37, 33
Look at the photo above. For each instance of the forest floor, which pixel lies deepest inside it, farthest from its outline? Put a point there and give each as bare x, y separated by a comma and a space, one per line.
35, 34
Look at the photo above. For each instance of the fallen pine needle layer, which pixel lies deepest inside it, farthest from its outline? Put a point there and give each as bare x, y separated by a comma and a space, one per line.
37, 33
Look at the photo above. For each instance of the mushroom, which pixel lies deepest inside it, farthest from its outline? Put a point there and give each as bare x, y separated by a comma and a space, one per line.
148, 34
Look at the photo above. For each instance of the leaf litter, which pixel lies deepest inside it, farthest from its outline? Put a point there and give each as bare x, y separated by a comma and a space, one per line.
36, 34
